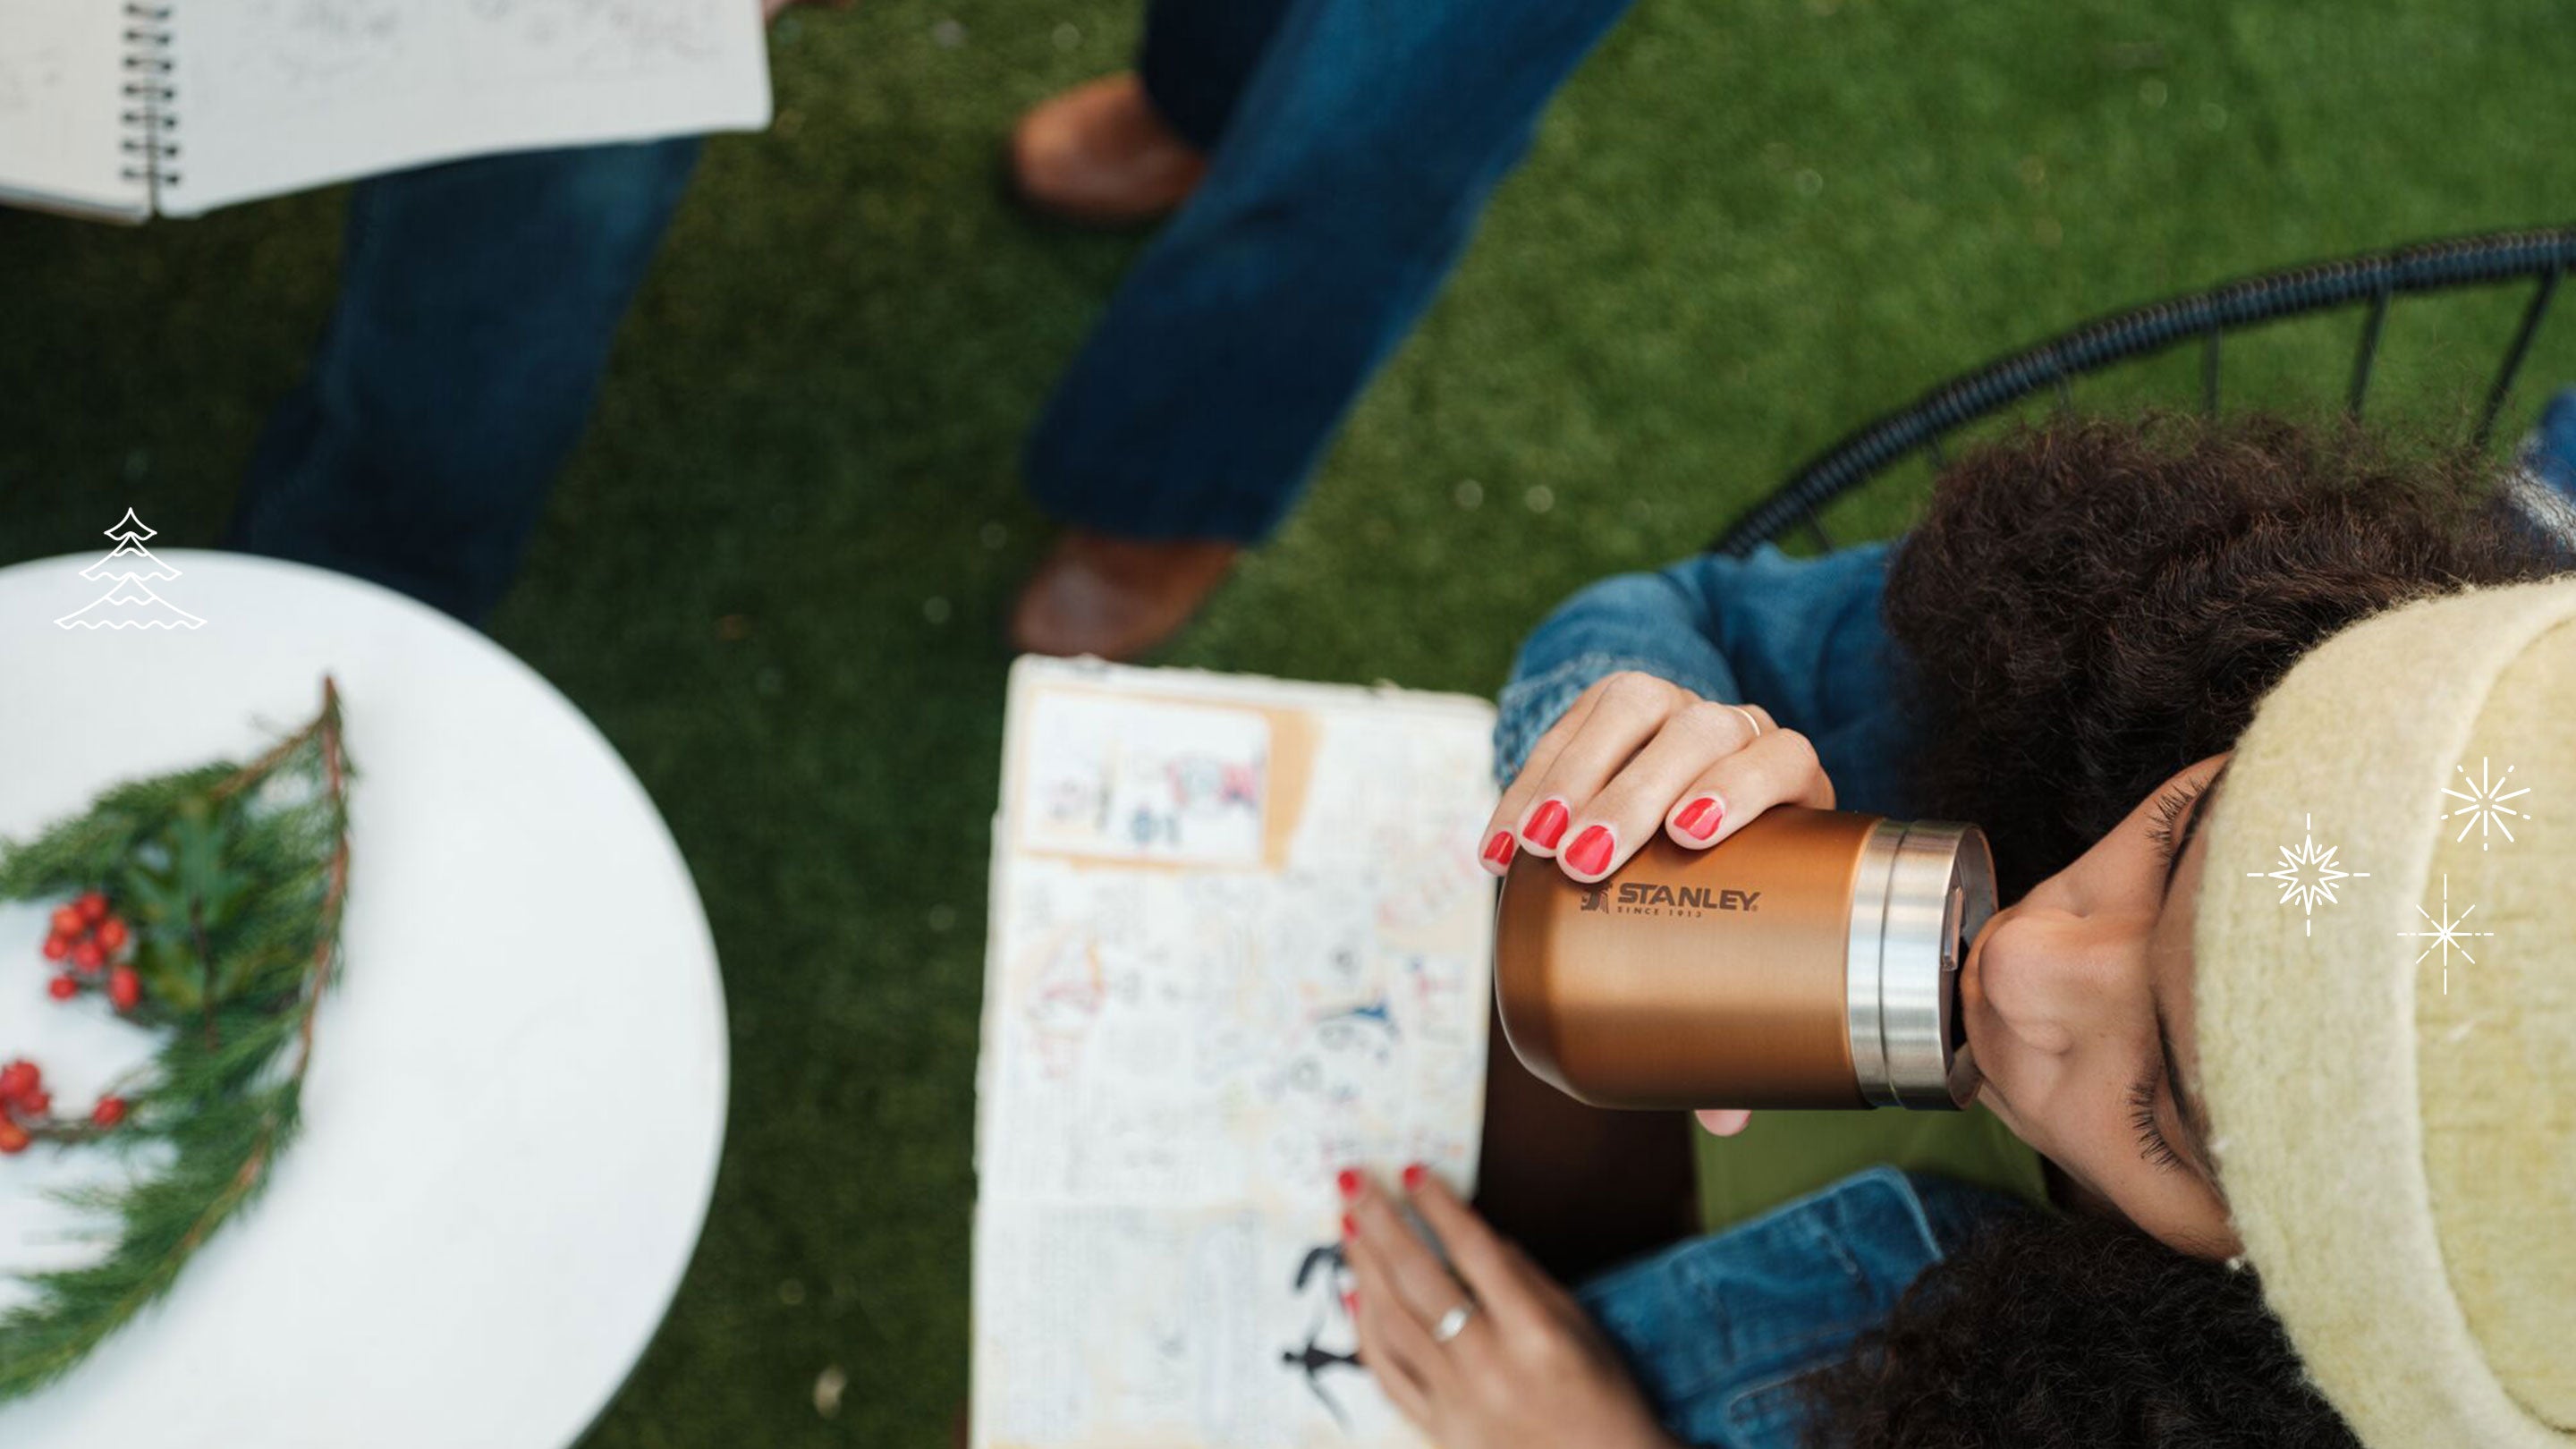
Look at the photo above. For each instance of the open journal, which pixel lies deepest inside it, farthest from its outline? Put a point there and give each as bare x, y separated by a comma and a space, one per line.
124, 108
1239, 941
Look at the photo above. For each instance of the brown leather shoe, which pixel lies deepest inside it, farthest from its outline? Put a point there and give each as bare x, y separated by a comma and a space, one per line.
1099, 155
1116, 597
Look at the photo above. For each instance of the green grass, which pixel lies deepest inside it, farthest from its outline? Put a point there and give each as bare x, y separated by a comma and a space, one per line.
1747, 227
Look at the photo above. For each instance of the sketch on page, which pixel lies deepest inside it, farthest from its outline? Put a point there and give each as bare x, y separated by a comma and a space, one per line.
291, 57
593, 37
1146, 780
1210, 1328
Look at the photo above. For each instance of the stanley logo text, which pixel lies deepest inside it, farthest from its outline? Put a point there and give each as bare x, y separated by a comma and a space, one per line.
1638, 894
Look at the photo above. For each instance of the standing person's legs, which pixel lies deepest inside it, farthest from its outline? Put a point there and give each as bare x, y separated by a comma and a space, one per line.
1347, 181
1197, 58
477, 303
1127, 149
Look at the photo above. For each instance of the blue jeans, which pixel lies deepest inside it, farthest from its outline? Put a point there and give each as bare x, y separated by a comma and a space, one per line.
1352, 146
477, 303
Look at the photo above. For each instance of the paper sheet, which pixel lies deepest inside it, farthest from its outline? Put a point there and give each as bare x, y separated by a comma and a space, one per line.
271, 96
279, 95
62, 104
1239, 941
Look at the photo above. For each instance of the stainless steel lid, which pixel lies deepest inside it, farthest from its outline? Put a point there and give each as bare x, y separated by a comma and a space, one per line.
1923, 892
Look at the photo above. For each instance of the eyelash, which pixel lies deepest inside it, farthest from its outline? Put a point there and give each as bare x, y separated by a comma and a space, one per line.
2169, 807
2142, 1115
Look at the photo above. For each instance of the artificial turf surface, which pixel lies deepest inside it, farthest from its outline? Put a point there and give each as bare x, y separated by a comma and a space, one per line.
1745, 228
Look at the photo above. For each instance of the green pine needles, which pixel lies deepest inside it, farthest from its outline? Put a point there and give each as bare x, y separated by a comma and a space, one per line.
231, 879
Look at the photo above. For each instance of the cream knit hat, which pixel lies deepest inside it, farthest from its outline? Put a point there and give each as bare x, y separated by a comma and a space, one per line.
2394, 1121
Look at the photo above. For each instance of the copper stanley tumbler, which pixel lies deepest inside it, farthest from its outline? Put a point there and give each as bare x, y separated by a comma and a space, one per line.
1809, 960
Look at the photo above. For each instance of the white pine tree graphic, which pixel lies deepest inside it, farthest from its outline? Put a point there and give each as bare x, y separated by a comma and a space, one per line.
129, 603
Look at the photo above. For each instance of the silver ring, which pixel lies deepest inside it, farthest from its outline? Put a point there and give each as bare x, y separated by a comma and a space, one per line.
1453, 1322
1748, 719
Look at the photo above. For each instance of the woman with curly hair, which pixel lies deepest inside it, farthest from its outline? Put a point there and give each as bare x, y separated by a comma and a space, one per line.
2069, 649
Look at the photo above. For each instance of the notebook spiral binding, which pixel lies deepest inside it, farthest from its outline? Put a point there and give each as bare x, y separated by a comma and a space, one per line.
151, 152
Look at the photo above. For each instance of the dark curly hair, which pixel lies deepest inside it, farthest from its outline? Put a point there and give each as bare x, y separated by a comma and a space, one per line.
2091, 605
2086, 608
2045, 1330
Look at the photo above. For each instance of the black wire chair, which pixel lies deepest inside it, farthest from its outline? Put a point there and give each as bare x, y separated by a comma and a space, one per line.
2205, 317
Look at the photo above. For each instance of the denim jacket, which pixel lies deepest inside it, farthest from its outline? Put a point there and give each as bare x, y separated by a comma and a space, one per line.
1800, 637
1721, 1331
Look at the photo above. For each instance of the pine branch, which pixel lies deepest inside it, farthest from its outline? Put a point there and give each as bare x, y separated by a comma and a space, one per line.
253, 921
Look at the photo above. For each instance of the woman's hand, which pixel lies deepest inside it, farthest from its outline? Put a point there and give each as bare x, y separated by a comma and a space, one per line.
1634, 751
1525, 1368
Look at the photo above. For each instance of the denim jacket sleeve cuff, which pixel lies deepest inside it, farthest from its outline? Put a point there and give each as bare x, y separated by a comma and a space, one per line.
1530, 704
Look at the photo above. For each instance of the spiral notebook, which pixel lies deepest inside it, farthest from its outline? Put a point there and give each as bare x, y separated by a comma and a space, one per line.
128, 108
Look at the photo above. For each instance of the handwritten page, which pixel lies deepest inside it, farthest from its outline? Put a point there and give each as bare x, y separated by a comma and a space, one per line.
1239, 941
277, 95
259, 97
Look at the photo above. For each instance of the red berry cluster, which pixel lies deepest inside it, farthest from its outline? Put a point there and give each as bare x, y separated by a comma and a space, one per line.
26, 1108
87, 936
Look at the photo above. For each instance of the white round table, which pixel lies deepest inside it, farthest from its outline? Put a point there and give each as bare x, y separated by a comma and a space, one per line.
518, 1090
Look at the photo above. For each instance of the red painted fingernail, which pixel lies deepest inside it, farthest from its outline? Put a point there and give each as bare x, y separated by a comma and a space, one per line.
1701, 817
1590, 852
1350, 1228
1413, 1175
1498, 851
1349, 1182
1351, 1304
1547, 825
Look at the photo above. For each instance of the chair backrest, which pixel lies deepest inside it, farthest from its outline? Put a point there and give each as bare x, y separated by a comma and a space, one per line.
2203, 317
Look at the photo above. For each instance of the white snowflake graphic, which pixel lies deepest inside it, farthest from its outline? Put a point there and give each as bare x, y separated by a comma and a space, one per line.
2448, 934
2486, 808
2308, 874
